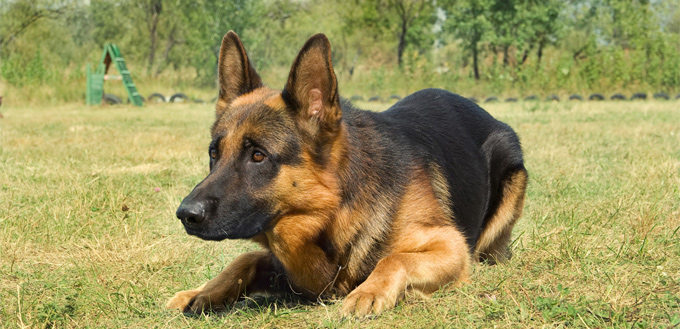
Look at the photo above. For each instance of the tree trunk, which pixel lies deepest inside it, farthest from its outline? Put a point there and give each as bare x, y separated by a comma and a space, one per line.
354, 63
152, 34
153, 11
540, 52
402, 43
168, 46
475, 63
525, 56
506, 60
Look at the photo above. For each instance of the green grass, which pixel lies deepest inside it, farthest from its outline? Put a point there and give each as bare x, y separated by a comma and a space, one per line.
598, 245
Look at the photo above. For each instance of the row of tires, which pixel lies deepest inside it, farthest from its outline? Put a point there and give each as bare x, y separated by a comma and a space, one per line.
577, 97
180, 97
550, 98
156, 98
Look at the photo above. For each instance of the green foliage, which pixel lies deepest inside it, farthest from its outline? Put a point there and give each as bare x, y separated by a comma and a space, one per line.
11, 71
591, 68
22, 72
489, 46
206, 22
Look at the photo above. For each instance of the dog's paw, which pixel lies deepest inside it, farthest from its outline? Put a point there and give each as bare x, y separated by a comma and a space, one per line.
181, 299
362, 303
204, 302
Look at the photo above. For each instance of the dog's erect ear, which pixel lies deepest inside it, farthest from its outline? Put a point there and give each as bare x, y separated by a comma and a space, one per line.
237, 76
312, 87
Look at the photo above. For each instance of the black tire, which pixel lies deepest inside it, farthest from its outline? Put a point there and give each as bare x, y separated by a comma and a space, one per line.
677, 97
596, 97
178, 98
531, 98
396, 97
112, 99
156, 98
552, 98
475, 100
356, 98
511, 100
618, 97
492, 99
663, 96
575, 97
375, 99
641, 96
197, 100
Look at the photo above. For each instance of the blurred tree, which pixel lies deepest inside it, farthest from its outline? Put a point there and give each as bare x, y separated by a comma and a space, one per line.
152, 10
410, 21
469, 21
410, 15
523, 26
206, 23
590, 43
17, 16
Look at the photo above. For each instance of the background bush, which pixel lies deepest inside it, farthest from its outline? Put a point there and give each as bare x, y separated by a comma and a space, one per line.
380, 47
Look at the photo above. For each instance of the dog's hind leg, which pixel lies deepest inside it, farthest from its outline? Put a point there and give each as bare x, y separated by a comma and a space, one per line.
492, 245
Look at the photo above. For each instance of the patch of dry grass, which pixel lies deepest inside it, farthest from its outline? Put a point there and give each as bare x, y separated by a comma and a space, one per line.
88, 236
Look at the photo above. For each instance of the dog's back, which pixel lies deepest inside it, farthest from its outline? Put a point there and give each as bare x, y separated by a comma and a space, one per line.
454, 137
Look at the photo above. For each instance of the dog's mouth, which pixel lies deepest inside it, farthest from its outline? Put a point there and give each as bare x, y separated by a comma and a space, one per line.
204, 232
219, 229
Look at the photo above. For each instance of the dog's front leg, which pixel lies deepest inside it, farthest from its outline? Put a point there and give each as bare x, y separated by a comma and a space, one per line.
248, 273
441, 257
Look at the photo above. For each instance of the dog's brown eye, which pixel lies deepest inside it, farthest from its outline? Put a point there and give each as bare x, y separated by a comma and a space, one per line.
258, 156
213, 154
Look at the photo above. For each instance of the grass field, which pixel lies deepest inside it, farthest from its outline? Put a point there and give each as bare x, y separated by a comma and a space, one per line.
88, 236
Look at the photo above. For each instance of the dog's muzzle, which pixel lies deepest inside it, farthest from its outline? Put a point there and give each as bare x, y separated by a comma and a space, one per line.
192, 214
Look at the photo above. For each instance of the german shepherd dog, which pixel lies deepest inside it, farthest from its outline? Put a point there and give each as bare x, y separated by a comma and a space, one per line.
345, 202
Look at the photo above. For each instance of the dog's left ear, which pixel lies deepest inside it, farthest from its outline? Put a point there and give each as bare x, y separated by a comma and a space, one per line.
312, 88
237, 76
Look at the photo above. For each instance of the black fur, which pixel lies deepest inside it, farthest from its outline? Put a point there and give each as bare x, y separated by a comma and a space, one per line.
475, 152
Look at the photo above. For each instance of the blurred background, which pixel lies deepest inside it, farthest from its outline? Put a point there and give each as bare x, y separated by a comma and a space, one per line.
477, 48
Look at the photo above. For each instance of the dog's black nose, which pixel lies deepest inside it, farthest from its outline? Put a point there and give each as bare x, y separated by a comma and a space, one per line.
191, 213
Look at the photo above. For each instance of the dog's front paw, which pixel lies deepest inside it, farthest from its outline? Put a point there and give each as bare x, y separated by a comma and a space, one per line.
204, 302
181, 299
362, 303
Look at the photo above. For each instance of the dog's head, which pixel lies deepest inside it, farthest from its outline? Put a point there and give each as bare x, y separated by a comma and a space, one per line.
271, 151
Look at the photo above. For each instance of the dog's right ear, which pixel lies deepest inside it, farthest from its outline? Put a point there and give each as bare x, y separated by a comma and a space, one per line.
312, 88
236, 75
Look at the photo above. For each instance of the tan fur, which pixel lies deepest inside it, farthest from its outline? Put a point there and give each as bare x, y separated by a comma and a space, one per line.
275, 101
292, 236
182, 298
221, 106
493, 242
426, 253
255, 96
440, 187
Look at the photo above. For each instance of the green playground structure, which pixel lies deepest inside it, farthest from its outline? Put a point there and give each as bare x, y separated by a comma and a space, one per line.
95, 80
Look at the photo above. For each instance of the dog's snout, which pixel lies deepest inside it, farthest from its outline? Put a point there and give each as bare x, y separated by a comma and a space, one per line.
191, 213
